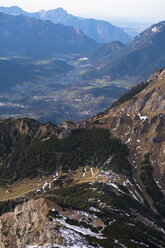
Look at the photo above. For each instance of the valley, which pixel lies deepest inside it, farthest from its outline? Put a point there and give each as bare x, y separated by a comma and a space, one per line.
56, 91
74, 77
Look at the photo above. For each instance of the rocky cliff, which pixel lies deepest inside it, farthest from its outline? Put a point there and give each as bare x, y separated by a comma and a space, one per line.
28, 225
140, 122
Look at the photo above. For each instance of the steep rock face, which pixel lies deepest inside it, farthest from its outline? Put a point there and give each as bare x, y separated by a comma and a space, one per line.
140, 123
42, 223
28, 225
142, 133
152, 99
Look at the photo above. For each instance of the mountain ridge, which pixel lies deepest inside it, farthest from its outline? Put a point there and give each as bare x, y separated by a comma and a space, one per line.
23, 35
99, 30
138, 59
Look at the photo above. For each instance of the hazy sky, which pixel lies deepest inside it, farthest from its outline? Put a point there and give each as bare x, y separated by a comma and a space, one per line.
154, 9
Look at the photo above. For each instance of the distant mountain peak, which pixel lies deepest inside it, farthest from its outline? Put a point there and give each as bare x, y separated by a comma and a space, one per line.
158, 28
99, 30
15, 8
57, 11
42, 11
60, 9
155, 30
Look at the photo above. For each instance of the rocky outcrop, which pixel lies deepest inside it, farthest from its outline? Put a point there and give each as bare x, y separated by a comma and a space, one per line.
24, 131
29, 225
151, 100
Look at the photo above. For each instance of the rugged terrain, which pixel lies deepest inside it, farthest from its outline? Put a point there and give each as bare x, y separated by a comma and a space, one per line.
96, 183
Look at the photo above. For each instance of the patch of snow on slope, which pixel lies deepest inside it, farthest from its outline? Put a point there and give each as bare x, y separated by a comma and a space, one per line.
139, 196
44, 186
81, 230
94, 209
134, 196
73, 239
157, 182
38, 191
137, 184
85, 171
111, 222
83, 213
32, 246
142, 117
136, 242
155, 30
113, 185
127, 182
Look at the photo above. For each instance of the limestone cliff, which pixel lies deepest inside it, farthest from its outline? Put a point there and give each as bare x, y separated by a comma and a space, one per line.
28, 225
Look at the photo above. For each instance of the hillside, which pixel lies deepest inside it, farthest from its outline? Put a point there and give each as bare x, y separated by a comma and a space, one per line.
96, 183
101, 31
138, 59
105, 52
16, 72
22, 35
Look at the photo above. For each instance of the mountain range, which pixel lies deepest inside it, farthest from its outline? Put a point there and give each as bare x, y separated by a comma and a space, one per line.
98, 30
96, 183
21, 35
136, 60
132, 62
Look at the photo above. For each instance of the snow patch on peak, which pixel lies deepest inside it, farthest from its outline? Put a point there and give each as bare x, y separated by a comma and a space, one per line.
142, 117
155, 30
